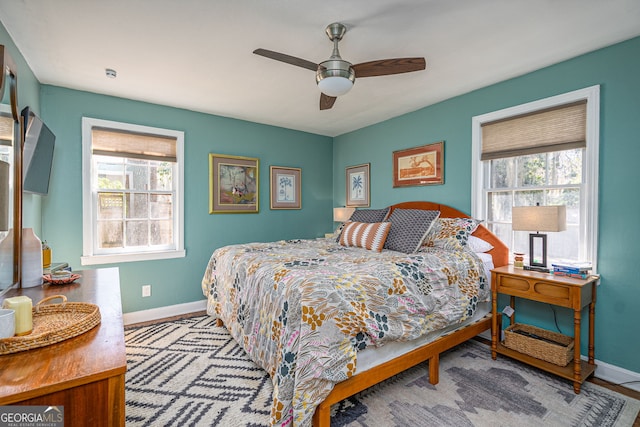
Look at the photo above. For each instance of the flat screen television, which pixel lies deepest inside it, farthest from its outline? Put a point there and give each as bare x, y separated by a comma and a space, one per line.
37, 154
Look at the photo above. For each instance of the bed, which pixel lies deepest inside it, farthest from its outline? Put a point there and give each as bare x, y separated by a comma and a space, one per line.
328, 319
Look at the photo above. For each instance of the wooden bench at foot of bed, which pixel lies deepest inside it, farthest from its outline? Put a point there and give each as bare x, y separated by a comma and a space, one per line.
430, 352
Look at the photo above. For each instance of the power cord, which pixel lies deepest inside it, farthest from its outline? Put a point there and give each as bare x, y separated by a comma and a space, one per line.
555, 317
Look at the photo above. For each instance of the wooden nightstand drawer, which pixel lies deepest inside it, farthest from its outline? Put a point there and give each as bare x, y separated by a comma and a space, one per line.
536, 289
508, 284
557, 293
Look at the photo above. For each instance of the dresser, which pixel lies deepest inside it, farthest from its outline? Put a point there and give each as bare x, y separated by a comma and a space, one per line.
84, 374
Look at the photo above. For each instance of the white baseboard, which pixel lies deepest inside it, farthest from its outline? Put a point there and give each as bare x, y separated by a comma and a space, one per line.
604, 371
163, 312
617, 375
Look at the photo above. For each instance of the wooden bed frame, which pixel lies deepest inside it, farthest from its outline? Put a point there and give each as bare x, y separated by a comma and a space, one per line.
430, 351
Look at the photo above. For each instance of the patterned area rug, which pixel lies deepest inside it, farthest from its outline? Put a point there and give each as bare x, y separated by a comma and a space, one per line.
192, 373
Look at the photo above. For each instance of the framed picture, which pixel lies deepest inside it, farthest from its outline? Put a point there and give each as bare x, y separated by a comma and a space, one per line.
357, 181
419, 166
285, 187
233, 184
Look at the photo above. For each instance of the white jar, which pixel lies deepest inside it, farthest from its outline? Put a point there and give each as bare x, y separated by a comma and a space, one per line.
31, 259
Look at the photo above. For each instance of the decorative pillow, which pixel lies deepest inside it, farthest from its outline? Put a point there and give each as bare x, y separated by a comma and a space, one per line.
367, 235
478, 245
369, 215
365, 215
408, 229
451, 233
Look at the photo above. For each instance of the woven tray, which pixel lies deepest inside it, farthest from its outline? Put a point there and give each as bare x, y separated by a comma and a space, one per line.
53, 323
559, 353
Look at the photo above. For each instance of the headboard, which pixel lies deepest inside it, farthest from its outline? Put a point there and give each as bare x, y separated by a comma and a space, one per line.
500, 251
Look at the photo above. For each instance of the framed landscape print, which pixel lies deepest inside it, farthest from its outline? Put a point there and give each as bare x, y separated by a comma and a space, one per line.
358, 190
233, 184
285, 187
419, 166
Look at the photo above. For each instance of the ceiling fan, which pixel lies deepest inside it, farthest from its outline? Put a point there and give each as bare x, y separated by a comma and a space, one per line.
335, 76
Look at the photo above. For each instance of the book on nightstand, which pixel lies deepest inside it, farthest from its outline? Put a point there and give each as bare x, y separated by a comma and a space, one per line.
582, 276
576, 270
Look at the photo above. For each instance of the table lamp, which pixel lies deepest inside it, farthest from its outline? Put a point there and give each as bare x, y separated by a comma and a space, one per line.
342, 214
539, 218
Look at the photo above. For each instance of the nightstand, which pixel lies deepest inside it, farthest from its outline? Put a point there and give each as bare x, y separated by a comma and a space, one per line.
557, 290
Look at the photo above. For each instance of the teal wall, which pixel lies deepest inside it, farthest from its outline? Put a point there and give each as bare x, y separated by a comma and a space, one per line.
616, 69
177, 281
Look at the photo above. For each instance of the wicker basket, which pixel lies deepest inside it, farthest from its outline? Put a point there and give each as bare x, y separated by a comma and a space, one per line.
54, 323
559, 352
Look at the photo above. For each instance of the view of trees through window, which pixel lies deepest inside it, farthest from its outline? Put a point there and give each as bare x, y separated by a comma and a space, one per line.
553, 178
135, 202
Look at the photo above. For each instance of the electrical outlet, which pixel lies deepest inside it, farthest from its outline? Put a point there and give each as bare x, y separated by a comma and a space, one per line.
146, 290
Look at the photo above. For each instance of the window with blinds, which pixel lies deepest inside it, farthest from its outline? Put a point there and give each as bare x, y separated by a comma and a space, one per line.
544, 152
134, 195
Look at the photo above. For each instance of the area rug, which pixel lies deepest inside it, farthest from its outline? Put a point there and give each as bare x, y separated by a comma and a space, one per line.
191, 373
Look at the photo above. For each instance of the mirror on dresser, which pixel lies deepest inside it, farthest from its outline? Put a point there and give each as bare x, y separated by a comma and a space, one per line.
10, 168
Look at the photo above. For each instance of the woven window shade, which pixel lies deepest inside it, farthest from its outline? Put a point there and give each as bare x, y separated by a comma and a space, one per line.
6, 130
554, 129
109, 142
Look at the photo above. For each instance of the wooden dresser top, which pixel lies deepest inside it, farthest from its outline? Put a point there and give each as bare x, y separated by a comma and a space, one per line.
97, 354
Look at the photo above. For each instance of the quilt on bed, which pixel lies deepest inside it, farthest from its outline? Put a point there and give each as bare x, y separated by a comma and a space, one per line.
302, 309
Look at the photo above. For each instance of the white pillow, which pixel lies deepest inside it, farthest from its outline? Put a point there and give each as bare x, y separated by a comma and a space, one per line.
478, 245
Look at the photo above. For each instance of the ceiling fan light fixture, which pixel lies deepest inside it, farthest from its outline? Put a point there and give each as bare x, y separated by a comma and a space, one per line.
335, 77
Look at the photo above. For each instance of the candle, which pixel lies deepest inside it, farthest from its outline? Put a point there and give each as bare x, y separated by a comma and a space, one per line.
22, 307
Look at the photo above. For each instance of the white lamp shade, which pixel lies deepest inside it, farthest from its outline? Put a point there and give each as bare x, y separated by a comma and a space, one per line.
335, 77
342, 214
539, 218
335, 86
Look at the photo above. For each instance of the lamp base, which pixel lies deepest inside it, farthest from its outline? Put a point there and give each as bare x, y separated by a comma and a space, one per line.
540, 269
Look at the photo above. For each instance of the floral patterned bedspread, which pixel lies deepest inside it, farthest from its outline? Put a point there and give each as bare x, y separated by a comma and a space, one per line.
302, 309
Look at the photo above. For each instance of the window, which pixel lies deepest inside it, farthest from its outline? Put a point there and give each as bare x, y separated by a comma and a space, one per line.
557, 166
132, 192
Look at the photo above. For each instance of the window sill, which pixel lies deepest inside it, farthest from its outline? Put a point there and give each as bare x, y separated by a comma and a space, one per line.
132, 257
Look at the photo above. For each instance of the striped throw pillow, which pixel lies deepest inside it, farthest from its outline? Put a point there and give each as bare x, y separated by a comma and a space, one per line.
365, 235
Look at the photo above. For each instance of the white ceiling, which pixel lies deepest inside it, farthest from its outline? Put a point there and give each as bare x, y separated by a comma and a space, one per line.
197, 54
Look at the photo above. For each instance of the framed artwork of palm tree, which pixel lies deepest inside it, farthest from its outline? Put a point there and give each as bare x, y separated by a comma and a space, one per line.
286, 187
358, 189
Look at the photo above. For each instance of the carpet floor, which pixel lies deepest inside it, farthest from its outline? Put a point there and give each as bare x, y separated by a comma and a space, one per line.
189, 372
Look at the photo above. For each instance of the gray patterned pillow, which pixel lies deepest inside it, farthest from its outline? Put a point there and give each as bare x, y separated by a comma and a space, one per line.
408, 228
369, 215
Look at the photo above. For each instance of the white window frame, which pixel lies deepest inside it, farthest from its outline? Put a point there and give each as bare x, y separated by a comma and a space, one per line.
589, 197
90, 197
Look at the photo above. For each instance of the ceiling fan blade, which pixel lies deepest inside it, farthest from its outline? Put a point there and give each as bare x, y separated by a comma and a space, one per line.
287, 58
385, 67
326, 101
